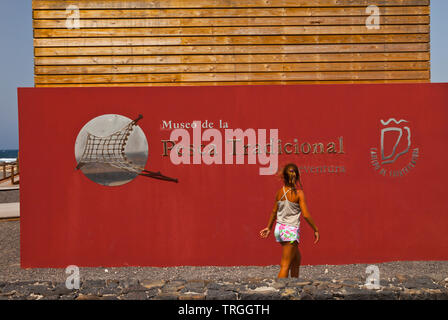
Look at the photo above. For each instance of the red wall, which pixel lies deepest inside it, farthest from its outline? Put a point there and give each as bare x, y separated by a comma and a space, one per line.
214, 214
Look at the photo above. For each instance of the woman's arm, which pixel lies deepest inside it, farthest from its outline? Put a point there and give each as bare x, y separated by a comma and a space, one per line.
306, 214
273, 216
265, 232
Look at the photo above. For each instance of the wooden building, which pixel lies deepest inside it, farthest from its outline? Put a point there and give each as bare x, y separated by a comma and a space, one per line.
219, 42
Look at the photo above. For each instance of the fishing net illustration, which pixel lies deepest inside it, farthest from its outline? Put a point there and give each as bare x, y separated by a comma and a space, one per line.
110, 150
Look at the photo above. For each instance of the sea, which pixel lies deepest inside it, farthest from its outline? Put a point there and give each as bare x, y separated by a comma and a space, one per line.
8, 155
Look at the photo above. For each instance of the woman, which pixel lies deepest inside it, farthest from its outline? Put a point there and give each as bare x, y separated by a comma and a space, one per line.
290, 203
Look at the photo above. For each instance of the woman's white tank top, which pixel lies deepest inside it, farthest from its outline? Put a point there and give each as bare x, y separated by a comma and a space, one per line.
288, 212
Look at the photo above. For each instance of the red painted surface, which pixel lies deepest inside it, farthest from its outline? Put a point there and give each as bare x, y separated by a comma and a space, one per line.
214, 214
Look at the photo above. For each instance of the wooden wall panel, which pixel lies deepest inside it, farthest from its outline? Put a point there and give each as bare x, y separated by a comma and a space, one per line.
218, 42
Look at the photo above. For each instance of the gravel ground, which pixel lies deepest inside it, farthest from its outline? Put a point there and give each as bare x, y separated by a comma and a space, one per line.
418, 280
9, 196
10, 268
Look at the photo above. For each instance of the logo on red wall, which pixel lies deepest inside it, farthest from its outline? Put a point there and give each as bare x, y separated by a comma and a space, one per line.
112, 150
396, 155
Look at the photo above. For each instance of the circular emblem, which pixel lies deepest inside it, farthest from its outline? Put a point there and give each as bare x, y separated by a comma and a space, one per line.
111, 150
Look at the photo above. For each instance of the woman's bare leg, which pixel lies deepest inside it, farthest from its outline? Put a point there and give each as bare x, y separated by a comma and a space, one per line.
295, 265
288, 252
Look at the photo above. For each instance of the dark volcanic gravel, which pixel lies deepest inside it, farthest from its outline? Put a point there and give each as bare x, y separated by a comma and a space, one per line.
10, 268
399, 281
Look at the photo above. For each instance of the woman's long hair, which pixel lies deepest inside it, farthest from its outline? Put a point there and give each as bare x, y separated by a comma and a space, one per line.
286, 180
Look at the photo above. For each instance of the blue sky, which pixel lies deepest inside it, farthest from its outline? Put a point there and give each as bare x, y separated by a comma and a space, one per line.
16, 59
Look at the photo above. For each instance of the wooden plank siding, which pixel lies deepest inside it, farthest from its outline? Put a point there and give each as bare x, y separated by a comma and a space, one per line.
233, 42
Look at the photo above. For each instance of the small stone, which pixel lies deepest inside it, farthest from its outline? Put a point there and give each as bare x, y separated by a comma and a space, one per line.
135, 295
62, 290
33, 296
108, 291
370, 286
401, 277
237, 288
166, 296
212, 294
268, 293
384, 283
333, 280
152, 292
94, 283
128, 283
309, 289
322, 295
41, 290
387, 295
185, 290
358, 294
253, 295
289, 292
171, 289
335, 286
305, 296
410, 294
253, 280
283, 280
265, 289
133, 287
299, 283
148, 284
436, 291
176, 283
322, 286
214, 286
323, 279
437, 277
109, 297
441, 296
349, 283
420, 282
95, 291
7, 294
278, 285
112, 283
198, 284
88, 297
48, 298
192, 296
